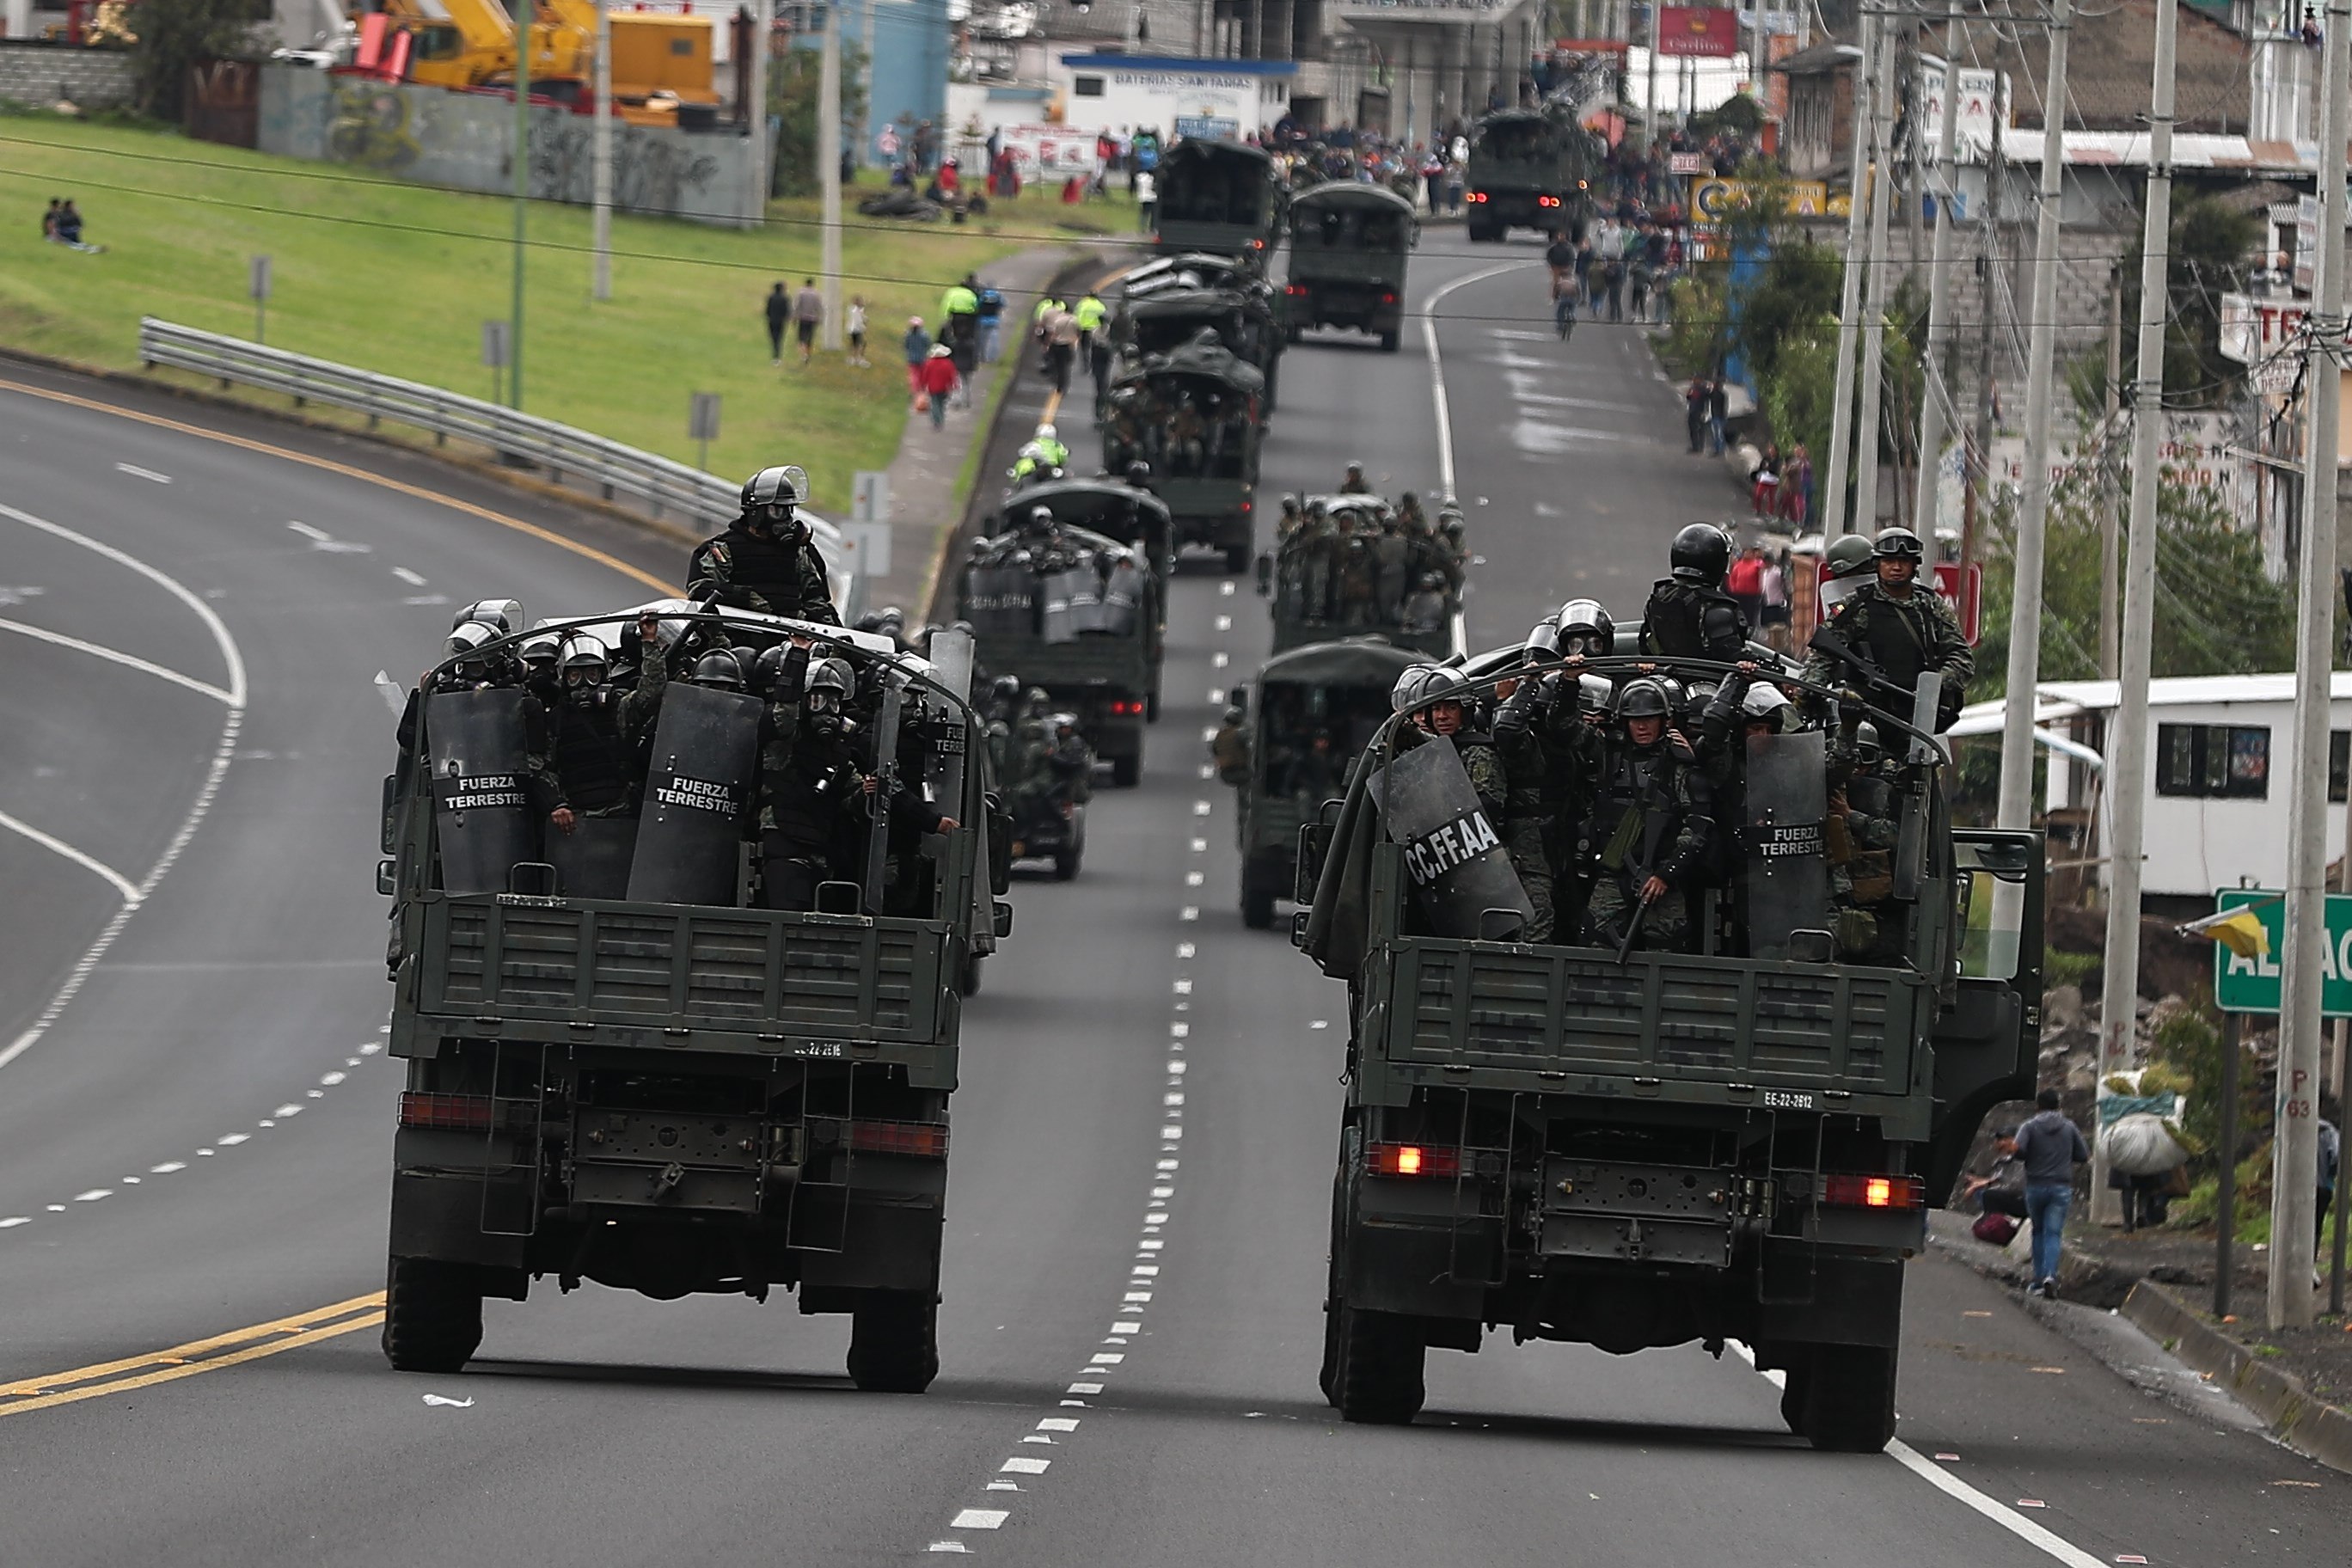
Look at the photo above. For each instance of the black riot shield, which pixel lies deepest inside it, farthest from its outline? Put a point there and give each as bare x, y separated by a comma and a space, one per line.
481, 812
593, 859
1460, 869
1055, 621
1122, 598
1086, 598
1787, 881
705, 750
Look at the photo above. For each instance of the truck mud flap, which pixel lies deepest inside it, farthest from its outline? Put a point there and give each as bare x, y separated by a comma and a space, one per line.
819, 1217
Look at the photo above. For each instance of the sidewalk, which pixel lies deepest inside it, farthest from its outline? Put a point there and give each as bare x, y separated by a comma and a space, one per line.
927, 502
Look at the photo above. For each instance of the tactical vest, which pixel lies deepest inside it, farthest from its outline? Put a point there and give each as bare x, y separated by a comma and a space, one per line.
593, 764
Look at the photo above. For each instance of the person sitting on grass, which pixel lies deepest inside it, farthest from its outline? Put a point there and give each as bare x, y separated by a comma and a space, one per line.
69, 229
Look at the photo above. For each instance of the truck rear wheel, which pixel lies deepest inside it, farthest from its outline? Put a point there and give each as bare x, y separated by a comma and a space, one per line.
1796, 1387
1237, 559
1380, 1359
1388, 342
1258, 902
432, 1316
1850, 1399
894, 1345
1065, 863
1127, 772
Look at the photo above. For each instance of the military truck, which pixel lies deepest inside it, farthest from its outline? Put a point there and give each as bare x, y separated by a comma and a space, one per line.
1348, 246
1165, 314
1642, 1148
1086, 620
1220, 196
1529, 169
1197, 416
623, 1068
1308, 714
1303, 584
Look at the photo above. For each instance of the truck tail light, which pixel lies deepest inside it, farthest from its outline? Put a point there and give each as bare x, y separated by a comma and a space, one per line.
1477, 195
1412, 1159
1547, 201
1875, 1192
1249, 506
1126, 708
448, 1112
1388, 297
1295, 291
920, 1139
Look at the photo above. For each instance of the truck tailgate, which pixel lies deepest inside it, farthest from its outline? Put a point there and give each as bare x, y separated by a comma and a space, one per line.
1728, 1030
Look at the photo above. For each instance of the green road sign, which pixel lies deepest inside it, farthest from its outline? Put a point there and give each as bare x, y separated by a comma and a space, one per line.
2252, 984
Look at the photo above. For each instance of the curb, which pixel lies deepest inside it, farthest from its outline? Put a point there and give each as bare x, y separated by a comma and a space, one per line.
2311, 1427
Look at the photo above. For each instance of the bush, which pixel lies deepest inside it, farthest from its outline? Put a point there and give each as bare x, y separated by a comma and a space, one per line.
174, 35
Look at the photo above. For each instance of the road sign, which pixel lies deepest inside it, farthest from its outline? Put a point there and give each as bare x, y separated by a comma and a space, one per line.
702, 426
257, 285
1964, 594
494, 345
2252, 984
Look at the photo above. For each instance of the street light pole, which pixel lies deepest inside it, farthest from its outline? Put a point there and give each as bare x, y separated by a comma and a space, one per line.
2294, 1160
603, 225
2126, 769
522, 197
1934, 392
828, 153
1833, 511
1871, 369
2016, 806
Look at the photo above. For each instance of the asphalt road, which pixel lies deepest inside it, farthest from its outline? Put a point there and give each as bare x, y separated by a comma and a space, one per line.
1144, 1135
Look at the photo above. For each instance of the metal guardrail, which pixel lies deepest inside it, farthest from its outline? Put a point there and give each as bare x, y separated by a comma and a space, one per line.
664, 484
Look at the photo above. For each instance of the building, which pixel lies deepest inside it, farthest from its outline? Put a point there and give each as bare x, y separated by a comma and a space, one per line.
2220, 782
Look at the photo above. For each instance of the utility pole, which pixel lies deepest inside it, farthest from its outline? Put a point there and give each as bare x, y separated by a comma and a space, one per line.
2128, 737
865, 116
2294, 1160
763, 32
1651, 134
1914, 74
2108, 498
522, 197
828, 153
602, 224
2016, 807
1834, 520
1935, 392
1979, 469
1871, 369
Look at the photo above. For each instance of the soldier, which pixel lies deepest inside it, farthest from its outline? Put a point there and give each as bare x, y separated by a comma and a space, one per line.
1424, 607
1527, 808
1231, 749
1455, 561
541, 657
1390, 552
809, 782
1649, 830
1430, 697
1858, 840
1586, 630
1355, 484
1845, 567
1901, 631
1320, 551
765, 559
594, 728
1359, 572
1071, 759
1689, 616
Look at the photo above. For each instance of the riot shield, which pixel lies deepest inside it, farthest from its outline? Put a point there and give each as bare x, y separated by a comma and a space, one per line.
1122, 598
481, 812
593, 859
1056, 618
1086, 598
706, 749
1787, 877
1459, 866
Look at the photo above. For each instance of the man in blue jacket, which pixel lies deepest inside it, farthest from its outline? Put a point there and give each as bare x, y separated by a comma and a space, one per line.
2050, 1146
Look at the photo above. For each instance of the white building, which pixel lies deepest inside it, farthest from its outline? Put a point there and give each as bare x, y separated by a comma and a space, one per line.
2221, 777
1175, 96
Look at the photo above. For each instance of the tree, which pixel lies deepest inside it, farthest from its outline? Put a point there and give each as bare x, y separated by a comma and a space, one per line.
2211, 243
794, 82
175, 35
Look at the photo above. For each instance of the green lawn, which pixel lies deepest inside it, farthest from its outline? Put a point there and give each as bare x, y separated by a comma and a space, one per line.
398, 278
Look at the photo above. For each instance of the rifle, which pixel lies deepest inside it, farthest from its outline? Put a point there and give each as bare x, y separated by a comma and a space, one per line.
1876, 689
1634, 928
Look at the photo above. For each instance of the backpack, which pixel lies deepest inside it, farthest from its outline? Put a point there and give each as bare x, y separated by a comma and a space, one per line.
1994, 1229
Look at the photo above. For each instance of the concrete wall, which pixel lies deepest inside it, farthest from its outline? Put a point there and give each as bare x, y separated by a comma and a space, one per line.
466, 141
43, 73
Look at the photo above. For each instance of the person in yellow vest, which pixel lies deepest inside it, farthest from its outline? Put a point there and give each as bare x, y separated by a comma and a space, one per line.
960, 330
1091, 313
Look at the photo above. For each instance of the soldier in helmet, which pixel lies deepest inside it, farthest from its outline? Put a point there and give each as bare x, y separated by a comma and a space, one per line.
810, 780
1432, 699
1846, 565
1230, 750
1689, 616
1453, 558
1650, 828
1902, 629
765, 559
1355, 484
595, 728
1858, 840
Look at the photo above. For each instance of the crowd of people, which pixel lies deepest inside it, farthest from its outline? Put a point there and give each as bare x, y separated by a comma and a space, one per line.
1352, 561
1620, 798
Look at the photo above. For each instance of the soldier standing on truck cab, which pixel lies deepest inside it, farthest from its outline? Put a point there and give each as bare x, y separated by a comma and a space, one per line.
765, 559
1689, 616
1650, 828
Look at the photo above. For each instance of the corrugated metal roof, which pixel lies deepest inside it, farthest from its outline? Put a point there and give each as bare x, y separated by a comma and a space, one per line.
2071, 698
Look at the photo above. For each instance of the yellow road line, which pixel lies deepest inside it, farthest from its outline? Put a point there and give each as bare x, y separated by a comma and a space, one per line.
231, 1349
331, 466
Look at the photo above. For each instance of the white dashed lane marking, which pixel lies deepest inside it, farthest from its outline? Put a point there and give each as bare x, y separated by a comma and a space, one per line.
136, 472
405, 575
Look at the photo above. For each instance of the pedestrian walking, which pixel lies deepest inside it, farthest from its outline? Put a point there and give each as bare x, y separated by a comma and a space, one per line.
918, 346
939, 381
1147, 200
808, 309
780, 311
2331, 1157
1719, 408
1695, 398
853, 324
2051, 1146
991, 324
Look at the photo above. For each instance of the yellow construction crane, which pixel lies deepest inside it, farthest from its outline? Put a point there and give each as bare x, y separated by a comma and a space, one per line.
661, 64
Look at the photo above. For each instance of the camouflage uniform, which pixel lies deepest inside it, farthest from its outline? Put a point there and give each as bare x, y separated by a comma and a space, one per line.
1859, 845
1646, 795
1359, 579
745, 571
1903, 638
1390, 553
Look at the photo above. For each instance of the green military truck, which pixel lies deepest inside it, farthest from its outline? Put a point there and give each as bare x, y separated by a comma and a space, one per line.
1529, 169
1309, 715
1197, 416
1349, 246
1091, 628
1166, 312
621, 1068
1224, 197
1646, 1148
1302, 583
